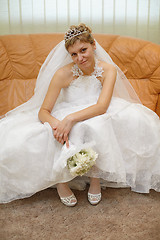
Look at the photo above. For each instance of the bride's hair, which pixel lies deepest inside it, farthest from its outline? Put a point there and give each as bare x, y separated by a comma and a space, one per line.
80, 32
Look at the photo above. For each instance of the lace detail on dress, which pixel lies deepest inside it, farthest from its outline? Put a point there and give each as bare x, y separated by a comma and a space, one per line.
97, 70
76, 71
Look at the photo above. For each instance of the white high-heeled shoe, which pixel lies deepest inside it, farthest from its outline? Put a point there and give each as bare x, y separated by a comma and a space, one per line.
94, 199
70, 201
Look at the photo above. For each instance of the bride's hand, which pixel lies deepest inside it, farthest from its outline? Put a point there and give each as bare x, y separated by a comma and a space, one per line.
54, 125
62, 130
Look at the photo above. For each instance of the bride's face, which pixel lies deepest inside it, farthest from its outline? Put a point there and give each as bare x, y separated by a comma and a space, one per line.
82, 54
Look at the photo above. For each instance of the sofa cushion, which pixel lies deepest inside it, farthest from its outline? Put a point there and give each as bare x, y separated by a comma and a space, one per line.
23, 55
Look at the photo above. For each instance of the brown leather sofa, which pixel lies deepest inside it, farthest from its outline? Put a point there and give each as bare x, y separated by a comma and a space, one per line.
21, 57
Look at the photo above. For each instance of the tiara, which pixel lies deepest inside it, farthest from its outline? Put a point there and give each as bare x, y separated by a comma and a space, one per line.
73, 33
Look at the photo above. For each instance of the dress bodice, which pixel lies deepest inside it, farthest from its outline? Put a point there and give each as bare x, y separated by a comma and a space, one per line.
84, 88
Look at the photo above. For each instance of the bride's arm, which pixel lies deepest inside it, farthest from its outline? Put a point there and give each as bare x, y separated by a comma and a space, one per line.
57, 83
99, 108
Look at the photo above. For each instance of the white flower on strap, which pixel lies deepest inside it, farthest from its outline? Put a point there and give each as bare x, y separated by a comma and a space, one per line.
97, 70
76, 71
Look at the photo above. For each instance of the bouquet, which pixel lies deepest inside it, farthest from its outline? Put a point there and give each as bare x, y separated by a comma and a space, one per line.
82, 161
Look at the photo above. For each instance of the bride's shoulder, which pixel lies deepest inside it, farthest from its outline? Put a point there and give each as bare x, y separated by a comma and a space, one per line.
109, 71
107, 66
65, 74
66, 69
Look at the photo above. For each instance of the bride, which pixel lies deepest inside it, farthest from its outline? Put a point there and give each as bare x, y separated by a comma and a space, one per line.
81, 100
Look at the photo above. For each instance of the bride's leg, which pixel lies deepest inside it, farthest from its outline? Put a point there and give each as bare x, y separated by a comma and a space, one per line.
95, 187
94, 193
64, 190
66, 195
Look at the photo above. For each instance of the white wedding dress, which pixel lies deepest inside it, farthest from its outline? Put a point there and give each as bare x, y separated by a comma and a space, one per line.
126, 138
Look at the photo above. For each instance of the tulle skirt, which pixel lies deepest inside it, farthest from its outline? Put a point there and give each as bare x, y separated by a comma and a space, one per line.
126, 138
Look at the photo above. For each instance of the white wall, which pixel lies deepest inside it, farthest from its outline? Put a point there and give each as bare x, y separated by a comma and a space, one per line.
137, 18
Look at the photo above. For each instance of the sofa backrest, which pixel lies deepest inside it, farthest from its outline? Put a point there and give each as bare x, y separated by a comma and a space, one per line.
21, 57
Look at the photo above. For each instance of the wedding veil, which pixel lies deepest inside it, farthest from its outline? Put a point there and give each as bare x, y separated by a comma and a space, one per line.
56, 59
